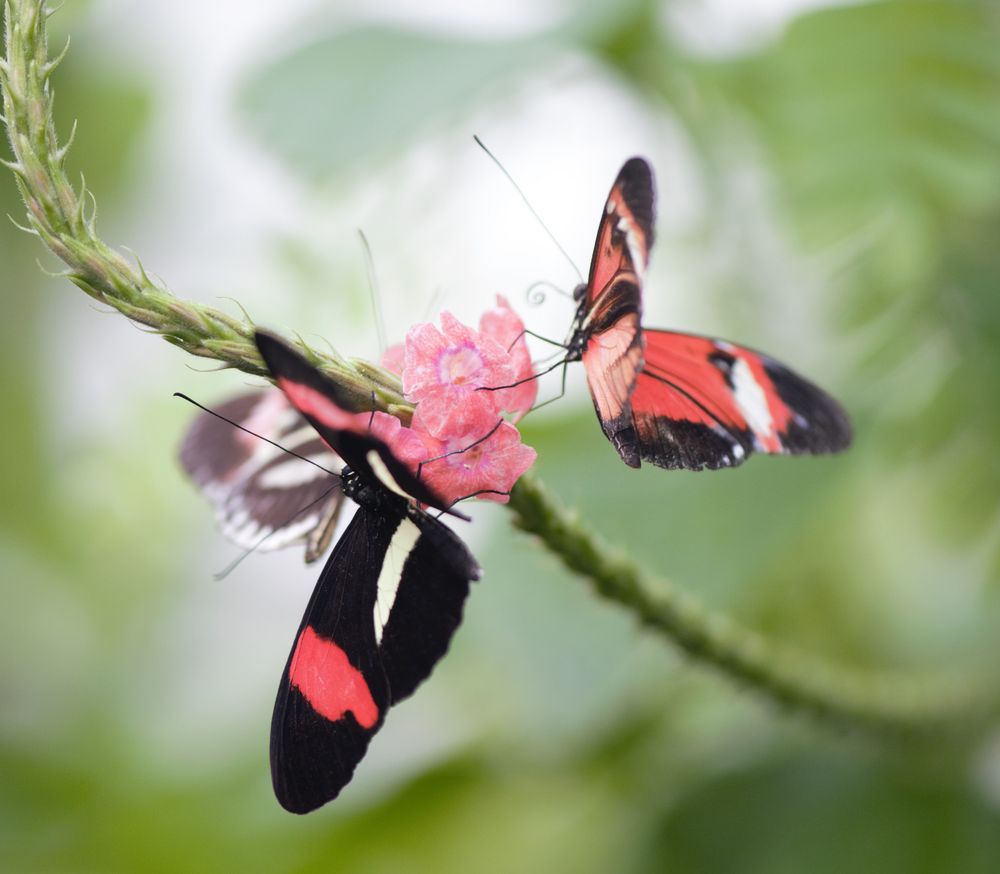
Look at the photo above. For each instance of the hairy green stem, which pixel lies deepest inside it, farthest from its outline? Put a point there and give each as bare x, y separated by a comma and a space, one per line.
65, 220
882, 701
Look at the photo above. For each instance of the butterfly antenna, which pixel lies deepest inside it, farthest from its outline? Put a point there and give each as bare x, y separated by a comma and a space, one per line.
433, 303
531, 209
535, 296
236, 562
373, 290
183, 396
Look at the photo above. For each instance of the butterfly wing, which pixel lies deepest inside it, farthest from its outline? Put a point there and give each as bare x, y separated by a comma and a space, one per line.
382, 615
608, 328
256, 490
333, 693
702, 402
625, 233
420, 616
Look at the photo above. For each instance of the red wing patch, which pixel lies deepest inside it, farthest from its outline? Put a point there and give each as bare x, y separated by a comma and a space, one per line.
321, 671
313, 403
322, 401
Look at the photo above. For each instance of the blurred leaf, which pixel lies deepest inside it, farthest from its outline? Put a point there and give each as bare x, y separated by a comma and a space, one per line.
872, 108
828, 814
465, 817
372, 91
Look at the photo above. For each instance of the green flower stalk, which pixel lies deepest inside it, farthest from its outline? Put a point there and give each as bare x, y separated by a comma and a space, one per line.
64, 218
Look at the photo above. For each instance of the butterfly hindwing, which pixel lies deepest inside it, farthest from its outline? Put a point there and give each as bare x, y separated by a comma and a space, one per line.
264, 497
427, 606
612, 357
702, 402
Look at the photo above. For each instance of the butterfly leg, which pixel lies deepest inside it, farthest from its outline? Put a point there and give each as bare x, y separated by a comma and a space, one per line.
483, 439
562, 390
522, 381
475, 494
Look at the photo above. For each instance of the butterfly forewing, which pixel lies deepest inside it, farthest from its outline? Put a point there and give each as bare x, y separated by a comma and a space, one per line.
382, 615
333, 694
625, 233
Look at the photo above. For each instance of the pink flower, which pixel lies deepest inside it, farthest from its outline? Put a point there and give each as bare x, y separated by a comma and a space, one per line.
443, 368
394, 358
460, 466
505, 326
458, 442
405, 443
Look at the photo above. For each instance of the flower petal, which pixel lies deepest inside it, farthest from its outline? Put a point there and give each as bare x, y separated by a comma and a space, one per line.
505, 326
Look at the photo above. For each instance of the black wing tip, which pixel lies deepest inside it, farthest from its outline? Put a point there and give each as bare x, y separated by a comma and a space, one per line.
628, 450
825, 427
303, 802
274, 350
636, 182
300, 806
636, 170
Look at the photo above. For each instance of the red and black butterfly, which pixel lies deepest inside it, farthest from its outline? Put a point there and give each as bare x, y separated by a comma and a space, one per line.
269, 478
681, 400
383, 611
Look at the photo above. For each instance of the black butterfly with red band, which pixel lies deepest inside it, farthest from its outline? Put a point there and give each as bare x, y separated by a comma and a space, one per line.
681, 400
391, 594
383, 611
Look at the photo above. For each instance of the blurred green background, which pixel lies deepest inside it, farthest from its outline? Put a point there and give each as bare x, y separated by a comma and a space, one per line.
829, 184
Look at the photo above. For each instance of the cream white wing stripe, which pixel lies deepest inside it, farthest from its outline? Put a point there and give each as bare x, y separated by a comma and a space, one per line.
751, 400
295, 472
382, 473
400, 547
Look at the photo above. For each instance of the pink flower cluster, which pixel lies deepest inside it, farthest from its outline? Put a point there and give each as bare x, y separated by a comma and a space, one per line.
458, 430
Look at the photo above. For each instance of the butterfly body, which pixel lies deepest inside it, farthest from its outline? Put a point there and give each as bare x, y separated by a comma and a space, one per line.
673, 399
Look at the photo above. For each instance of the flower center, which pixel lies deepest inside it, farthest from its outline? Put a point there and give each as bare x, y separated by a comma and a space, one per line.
459, 365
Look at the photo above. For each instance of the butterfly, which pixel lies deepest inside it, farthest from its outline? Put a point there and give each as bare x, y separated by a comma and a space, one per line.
269, 478
681, 400
383, 612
